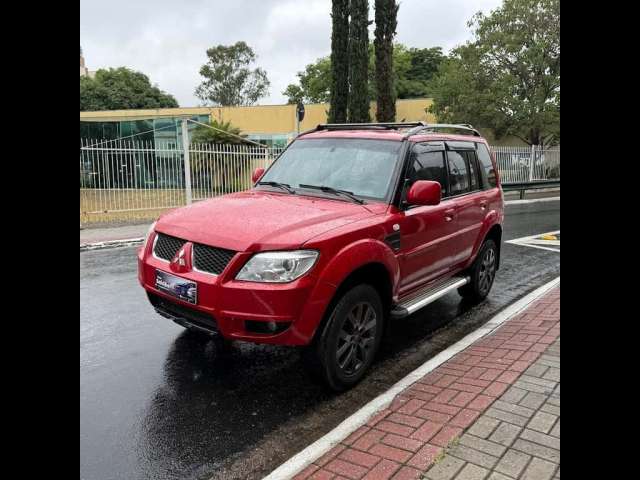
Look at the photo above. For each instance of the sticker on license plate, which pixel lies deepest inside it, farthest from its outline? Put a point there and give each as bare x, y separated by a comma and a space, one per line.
178, 287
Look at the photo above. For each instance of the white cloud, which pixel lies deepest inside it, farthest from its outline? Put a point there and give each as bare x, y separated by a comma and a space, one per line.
167, 40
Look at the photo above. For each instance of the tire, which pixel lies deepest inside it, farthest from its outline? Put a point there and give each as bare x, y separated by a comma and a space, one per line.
348, 343
482, 273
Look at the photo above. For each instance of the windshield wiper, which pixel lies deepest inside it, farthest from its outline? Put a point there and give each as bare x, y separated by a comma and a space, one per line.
335, 191
284, 186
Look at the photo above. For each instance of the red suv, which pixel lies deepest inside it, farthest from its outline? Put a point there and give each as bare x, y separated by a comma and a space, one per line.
353, 226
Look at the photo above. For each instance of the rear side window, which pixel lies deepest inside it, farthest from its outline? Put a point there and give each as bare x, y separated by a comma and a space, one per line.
473, 170
427, 164
458, 173
487, 170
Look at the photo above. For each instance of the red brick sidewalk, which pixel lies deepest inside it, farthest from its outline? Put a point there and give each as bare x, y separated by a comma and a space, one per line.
402, 441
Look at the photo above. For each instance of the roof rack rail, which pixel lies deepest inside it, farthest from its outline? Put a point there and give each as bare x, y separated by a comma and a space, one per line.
426, 127
415, 127
365, 126
362, 126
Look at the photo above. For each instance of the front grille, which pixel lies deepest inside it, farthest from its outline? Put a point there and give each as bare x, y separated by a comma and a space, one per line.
205, 258
167, 246
211, 259
182, 314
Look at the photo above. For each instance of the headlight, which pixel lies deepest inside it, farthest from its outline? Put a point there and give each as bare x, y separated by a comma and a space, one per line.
277, 267
146, 237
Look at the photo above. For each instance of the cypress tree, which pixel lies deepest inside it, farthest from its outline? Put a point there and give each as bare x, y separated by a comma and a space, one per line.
359, 62
339, 92
386, 22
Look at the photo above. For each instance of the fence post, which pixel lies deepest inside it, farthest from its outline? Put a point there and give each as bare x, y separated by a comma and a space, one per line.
266, 157
531, 163
187, 163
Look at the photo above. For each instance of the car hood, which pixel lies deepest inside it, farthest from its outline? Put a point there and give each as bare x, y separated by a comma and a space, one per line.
260, 220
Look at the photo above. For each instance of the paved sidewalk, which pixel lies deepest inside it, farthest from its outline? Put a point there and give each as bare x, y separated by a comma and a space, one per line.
492, 411
518, 436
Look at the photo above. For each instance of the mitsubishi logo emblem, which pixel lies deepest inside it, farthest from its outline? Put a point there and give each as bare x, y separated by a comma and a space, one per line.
180, 258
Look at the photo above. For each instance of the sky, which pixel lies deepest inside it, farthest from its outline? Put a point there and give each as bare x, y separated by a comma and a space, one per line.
167, 40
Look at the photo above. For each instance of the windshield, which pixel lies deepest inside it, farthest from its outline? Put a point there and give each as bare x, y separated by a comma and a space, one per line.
361, 166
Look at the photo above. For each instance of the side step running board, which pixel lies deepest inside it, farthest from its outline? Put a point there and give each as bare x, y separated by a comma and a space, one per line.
423, 298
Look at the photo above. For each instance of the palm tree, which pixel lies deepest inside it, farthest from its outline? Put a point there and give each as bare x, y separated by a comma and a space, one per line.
215, 162
217, 132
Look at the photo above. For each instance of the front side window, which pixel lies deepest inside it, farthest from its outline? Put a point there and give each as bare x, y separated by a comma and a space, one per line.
363, 166
458, 173
428, 165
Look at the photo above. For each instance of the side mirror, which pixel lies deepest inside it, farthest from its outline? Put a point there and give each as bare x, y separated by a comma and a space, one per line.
257, 174
424, 192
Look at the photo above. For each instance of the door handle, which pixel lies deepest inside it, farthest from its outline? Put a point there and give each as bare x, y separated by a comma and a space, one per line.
449, 214
483, 204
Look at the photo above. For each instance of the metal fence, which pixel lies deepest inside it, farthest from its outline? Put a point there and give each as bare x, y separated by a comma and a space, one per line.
527, 164
132, 180
128, 180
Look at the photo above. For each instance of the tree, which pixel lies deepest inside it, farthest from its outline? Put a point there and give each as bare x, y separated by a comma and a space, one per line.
508, 77
422, 64
229, 79
412, 70
386, 22
314, 84
121, 89
339, 73
358, 104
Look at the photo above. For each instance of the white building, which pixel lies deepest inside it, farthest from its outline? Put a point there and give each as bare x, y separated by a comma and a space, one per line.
84, 71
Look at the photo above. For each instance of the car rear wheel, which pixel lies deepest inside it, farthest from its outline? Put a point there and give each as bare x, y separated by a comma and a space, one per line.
482, 273
350, 338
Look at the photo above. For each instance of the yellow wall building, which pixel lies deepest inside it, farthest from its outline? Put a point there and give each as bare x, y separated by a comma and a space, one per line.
262, 122
268, 124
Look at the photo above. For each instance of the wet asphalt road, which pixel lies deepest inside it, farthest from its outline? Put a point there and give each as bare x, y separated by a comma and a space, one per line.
158, 402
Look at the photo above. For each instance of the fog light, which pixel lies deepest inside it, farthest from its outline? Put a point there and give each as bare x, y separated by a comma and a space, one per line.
265, 328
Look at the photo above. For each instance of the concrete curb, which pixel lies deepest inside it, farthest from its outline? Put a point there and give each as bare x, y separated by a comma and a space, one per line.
127, 242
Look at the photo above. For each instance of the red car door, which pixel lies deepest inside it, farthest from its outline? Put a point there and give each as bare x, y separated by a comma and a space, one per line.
470, 200
426, 250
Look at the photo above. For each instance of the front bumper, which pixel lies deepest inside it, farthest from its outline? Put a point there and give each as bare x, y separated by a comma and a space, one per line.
240, 310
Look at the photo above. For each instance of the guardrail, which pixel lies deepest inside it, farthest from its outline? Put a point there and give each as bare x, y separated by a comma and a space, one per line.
535, 185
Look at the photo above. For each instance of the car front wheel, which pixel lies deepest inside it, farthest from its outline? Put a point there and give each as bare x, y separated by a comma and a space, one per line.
350, 338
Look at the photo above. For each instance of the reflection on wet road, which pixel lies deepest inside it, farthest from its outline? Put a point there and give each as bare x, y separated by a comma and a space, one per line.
159, 402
